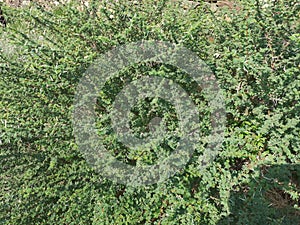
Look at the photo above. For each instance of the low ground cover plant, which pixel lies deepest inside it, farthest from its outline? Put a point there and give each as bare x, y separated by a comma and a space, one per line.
254, 54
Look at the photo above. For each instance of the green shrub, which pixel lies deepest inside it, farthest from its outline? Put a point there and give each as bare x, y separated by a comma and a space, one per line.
254, 54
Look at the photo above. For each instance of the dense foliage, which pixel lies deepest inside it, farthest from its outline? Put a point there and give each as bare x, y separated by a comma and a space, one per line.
254, 54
